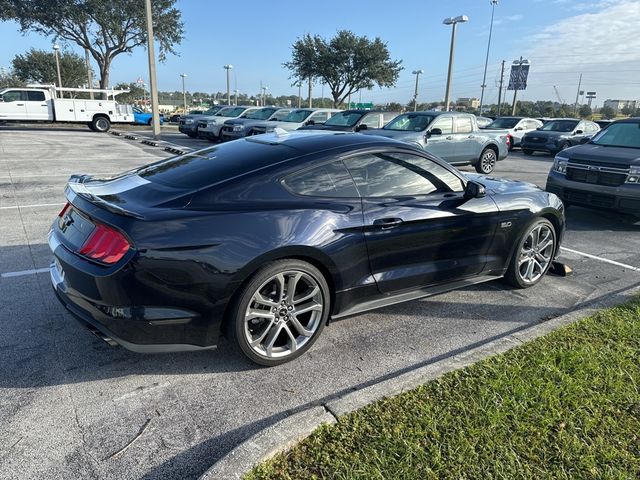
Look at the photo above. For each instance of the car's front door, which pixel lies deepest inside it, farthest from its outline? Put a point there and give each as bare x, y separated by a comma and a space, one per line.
419, 228
37, 106
579, 133
439, 138
13, 105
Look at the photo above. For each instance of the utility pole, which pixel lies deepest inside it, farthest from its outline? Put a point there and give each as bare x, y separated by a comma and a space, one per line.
184, 93
264, 94
575, 107
228, 68
299, 93
56, 47
310, 83
155, 114
486, 60
500, 88
415, 93
89, 77
236, 92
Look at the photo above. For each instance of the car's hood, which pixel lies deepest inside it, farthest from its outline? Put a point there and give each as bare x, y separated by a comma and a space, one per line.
270, 125
334, 128
598, 153
502, 185
397, 134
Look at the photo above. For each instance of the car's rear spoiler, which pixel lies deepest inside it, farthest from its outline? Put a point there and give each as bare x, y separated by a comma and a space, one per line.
76, 188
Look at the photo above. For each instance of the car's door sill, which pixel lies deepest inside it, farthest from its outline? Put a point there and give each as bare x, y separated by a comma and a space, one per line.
407, 296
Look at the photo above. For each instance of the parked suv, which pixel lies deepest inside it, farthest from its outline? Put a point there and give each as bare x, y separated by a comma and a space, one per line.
210, 127
515, 128
558, 134
243, 125
603, 173
189, 123
354, 121
296, 119
452, 136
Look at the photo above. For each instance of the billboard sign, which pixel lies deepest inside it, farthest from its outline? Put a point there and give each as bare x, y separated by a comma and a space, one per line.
518, 78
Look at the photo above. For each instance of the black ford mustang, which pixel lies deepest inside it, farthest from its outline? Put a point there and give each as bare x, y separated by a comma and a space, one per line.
268, 237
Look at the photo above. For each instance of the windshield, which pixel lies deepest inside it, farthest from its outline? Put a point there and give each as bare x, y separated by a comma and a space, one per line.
138, 110
344, 119
410, 122
504, 123
261, 114
297, 116
230, 112
212, 111
280, 115
619, 135
560, 125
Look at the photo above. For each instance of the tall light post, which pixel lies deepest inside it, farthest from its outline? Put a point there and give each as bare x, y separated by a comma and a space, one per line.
264, 93
299, 93
155, 113
415, 93
184, 93
56, 47
486, 60
228, 69
453, 21
236, 91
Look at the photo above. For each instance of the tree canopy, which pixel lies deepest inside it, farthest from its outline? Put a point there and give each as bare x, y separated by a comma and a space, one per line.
607, 112
106, 28
346, 63
39, 66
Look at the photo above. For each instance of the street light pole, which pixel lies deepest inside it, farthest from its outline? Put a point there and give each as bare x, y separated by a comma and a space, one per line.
56, 47
228, 68
486, 60
155, 114
236, 93
453, 21
415, 93
184, 93
264, 94
299, 94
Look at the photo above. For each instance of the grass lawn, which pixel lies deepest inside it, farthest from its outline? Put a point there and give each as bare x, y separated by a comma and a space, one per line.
564, 406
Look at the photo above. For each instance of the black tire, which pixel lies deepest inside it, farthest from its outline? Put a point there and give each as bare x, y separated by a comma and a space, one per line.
561, 147
90, 125
242, 325
150, 122
526, 151
192, 135
100, 124
514, 275
487, 161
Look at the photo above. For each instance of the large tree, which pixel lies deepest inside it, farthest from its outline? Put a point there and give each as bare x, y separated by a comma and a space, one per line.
607, 112
585, 111
106, 28
39, 66
346, 63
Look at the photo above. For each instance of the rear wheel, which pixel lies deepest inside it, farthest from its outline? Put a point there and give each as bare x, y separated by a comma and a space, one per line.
101, 124
534, 254
280, 313
192, 135
526, 151
90, 125
487, 161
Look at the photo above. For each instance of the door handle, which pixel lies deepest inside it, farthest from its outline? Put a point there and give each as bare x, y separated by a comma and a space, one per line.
20, 104
449, 137
387, 222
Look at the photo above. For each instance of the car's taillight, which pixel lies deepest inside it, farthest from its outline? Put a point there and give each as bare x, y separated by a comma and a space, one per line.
508, 141
105, 245
64, 209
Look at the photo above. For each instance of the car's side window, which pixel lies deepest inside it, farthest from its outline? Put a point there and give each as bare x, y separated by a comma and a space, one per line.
463, 125
445, 124
395, 174
319, 117
330, 180
35, 96
592, 127
371, 120
12, 96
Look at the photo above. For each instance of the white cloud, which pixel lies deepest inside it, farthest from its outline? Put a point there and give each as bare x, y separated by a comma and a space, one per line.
603, 44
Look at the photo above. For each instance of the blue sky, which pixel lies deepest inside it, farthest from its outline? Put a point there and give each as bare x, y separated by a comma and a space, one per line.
560, 37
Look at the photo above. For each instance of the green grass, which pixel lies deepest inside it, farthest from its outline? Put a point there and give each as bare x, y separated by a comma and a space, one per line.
564, 406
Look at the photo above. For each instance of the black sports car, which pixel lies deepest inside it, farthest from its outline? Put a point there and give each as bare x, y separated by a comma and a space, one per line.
268, 237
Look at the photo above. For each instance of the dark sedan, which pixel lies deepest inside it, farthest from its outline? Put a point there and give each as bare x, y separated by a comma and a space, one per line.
558, 134
267, 238
604, 173
354, 121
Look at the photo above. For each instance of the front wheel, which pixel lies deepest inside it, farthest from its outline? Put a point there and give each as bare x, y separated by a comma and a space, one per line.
534, 254
526, 151
101, 124
487, 161
280, 313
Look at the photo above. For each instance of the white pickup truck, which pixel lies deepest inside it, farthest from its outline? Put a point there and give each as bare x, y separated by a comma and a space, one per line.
40, 104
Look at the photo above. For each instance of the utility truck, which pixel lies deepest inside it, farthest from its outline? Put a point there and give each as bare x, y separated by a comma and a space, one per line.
45, 103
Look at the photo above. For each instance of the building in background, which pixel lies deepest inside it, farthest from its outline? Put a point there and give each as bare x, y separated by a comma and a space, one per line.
618, 105
467, 103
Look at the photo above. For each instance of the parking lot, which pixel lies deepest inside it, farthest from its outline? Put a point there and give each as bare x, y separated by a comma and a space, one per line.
71, 406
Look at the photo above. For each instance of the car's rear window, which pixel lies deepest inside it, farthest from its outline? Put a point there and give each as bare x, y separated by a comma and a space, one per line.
216, 164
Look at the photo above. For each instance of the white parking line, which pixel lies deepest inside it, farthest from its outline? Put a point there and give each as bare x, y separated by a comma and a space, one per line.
23, 272
601, 259
33, 206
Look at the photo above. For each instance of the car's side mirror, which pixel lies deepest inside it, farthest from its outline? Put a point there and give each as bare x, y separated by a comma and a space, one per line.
361, 127
1, 99
474, 190
539, 128
578, 132
310, 122
434, 131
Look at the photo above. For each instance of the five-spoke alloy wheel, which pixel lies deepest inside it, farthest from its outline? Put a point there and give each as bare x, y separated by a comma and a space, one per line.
281, 312
534, 255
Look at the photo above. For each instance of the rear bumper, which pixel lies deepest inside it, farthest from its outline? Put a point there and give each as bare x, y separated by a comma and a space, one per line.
104, 304
624, 198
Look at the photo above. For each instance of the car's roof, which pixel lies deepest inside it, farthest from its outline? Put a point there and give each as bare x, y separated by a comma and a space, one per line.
623, 120
439, 112
364, 110
310, 141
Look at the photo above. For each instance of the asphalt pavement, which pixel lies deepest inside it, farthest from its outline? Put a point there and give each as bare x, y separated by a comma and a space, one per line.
73, 407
